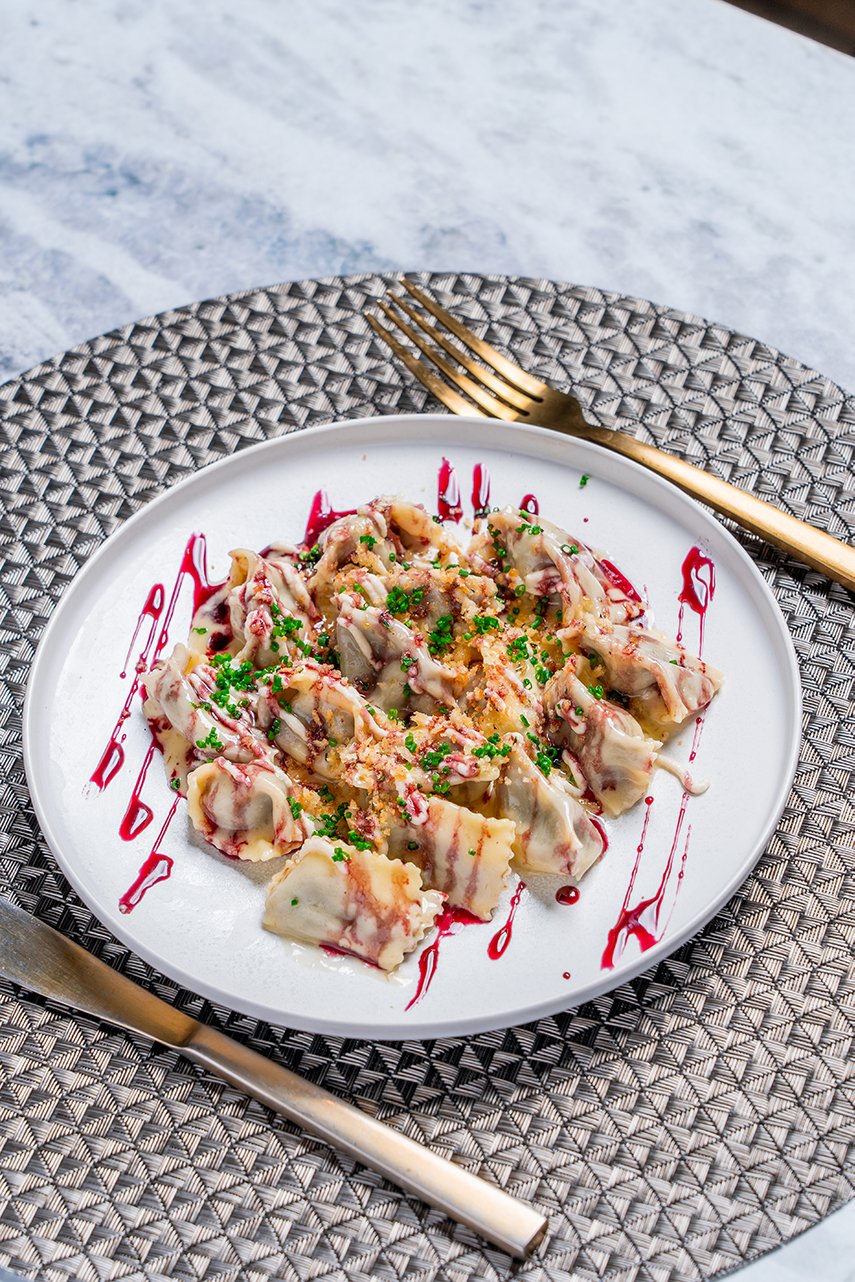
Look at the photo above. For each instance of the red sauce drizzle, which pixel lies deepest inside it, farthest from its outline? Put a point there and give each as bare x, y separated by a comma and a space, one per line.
157, 867
644, 921
113, 757
321, 517
194, 565
620, 581
499, 943
567, 895
530, 504
627, 922
697, 591
449, 922
448, 505
480, 490
696, 737
138, 815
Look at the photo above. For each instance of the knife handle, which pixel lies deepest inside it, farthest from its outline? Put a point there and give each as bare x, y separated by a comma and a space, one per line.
495, 1215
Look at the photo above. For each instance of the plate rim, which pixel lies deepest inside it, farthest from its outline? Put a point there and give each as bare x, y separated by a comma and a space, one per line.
610, 980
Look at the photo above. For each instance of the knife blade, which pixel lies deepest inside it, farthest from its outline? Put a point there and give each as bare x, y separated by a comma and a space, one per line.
39, 958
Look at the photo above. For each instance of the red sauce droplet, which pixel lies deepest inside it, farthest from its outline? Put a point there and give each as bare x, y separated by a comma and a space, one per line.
697, 591
567, 895
620, 581
567, 975
448, 505
157, 868
449, 922
480, 490
502, 938
321, 517
530, 504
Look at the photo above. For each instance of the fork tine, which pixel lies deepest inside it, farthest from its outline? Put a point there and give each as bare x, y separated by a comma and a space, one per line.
498, 385
453, 400
518, 377
494, 408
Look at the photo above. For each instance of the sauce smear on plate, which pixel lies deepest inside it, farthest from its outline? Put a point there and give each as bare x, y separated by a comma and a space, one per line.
321, 517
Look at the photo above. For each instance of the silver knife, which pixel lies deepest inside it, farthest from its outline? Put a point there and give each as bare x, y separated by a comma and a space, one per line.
44, 961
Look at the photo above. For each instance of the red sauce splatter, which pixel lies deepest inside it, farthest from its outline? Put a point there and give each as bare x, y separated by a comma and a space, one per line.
499, 943
530, 504
321, 517
480, 490
697, 591
567, 895
620, 581
449, 922
157, 867
448, 505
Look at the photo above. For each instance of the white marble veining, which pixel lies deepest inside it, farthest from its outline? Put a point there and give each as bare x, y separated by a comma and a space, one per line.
153, 152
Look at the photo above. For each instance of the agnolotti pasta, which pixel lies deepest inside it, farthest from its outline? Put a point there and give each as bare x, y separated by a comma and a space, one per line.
247, 811
394, 720
361, 903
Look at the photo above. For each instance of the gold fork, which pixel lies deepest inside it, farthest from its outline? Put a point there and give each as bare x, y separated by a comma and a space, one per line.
503, 390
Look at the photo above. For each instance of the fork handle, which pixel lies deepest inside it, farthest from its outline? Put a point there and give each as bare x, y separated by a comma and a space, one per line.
812, 546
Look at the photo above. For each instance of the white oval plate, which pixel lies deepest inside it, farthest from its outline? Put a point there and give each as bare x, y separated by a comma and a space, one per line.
202, 926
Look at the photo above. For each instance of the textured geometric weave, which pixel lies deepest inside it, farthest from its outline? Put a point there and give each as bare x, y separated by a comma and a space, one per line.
673, 1129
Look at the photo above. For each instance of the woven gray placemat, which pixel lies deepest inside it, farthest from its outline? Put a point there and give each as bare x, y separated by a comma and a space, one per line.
681, 1125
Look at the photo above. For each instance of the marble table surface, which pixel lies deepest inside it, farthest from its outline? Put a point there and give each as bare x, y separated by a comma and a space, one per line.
153, 153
